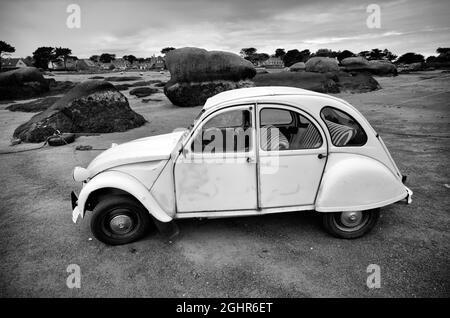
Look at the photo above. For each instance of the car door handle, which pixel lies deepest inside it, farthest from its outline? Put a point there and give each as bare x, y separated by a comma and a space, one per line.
249, 160
321, 156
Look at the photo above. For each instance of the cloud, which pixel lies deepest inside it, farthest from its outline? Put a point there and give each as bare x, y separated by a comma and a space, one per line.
143, 27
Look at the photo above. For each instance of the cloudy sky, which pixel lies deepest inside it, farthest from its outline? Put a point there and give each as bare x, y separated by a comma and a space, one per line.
143, 27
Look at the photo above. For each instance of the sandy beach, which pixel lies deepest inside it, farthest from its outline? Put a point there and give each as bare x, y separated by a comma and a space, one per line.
269, 256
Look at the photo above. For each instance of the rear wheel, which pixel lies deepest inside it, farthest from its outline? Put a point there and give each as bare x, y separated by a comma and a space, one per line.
119, 220
350, 224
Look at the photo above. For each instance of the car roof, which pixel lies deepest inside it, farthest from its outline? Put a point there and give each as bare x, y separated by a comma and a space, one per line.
255, 92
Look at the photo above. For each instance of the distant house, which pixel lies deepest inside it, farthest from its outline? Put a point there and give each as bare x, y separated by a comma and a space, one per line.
59, 65
273, 62
159, 62
86, 65
143, 65
121, 64
156, 62
106, 66
13, 63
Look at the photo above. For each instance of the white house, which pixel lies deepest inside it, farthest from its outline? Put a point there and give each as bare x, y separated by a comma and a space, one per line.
273, 62
13, 63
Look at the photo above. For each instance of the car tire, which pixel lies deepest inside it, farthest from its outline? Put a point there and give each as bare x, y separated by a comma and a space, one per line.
118, 220
352, 224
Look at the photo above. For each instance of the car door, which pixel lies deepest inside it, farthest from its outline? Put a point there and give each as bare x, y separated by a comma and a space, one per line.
217, 170
292, 153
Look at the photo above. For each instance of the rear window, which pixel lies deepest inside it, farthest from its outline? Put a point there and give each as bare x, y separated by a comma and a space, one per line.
344, 130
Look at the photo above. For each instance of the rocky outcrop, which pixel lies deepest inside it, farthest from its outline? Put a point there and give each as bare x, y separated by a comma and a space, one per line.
382, 68
194, 94
90, 107
355, 63
322, 83
199, 65
143, 91
197, 74
26, 82
122, 78
298, 67
122, 87
330, 82
357, 83
375, 67
413, 67
322, 65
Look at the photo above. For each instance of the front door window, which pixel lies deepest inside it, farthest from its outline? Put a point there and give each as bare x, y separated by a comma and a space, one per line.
226, 132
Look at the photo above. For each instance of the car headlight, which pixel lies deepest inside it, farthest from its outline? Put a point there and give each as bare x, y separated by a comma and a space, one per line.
80, 174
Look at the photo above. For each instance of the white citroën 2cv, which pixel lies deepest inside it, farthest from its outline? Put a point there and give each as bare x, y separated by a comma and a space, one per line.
251, 151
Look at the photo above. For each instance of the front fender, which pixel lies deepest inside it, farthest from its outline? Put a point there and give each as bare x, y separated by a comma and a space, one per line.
355, 182
127, 183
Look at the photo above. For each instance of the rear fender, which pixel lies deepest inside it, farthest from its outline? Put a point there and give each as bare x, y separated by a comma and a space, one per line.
354, 182
126, 183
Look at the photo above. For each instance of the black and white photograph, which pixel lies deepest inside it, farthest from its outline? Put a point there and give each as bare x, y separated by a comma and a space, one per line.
235, 151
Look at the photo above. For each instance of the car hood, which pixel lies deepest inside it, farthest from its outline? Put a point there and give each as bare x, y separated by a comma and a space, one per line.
140, 150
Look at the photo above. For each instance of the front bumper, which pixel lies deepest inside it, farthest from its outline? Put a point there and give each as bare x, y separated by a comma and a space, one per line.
75, 210
409, 196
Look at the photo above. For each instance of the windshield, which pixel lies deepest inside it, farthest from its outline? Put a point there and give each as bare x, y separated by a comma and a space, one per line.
196, 120
189, 129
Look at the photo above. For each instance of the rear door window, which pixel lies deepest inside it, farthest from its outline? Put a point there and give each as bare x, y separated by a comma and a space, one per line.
282, 129
344, 130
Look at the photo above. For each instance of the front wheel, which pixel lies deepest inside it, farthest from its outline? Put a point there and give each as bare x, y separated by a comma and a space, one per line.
351, 224
119, 220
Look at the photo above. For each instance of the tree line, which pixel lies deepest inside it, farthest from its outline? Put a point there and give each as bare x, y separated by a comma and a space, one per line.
42, 56
294, 56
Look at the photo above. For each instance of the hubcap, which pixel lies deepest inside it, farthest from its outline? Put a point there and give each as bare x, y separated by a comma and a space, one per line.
351, 218
121, 224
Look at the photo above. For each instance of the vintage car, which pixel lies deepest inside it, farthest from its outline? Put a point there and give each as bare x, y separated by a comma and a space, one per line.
251, 151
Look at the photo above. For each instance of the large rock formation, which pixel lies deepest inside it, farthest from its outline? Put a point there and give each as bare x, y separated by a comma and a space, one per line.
357, 82
122, 78
197, 74
413, 67
143, 91
382, 67
22, 83
375, 67
90, 107
194, 94
330, 82
322, 65
355, 63
322, 83
297, 67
